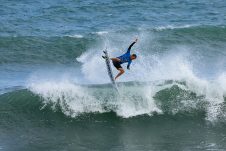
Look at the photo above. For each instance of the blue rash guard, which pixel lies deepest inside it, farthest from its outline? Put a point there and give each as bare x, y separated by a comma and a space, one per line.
126, 57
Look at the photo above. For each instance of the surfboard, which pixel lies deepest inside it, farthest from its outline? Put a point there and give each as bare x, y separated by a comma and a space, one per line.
110, 73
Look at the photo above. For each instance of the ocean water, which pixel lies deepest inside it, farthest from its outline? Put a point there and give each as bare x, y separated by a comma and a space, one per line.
55, 94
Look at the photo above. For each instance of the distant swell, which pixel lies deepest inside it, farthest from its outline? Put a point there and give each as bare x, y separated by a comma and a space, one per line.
63, 49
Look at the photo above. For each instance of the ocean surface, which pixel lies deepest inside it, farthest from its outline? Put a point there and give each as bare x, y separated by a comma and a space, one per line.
55, 94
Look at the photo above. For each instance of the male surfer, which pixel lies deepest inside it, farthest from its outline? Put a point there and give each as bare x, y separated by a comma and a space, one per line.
127, 57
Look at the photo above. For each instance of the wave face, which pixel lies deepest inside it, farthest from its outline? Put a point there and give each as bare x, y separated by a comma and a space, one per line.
166, 98
55, 93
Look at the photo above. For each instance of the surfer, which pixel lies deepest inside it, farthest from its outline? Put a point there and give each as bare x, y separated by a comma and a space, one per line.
125, 58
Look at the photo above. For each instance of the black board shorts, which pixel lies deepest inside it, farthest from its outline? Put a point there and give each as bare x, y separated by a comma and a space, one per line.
117, 64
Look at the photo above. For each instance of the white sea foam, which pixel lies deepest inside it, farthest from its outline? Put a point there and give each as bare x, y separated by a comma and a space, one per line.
101, 32
75, 36
72, 98
160, 28
138, 101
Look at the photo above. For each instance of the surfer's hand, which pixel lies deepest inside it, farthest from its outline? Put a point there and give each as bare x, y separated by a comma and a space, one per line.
136, 40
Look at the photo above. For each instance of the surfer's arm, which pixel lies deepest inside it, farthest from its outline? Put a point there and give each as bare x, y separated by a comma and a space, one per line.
128, 65
128, 50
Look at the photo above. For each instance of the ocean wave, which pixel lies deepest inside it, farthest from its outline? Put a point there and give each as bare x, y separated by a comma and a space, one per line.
136, 99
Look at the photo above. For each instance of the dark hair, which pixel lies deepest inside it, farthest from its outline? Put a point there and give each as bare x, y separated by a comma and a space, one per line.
134, 55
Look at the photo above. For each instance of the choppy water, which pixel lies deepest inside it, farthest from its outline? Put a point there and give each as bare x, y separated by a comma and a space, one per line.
55, 92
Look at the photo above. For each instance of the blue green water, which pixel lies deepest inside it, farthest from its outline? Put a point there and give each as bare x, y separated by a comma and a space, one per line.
54, 88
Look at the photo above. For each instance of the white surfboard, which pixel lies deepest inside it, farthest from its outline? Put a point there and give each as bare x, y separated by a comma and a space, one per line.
110, 73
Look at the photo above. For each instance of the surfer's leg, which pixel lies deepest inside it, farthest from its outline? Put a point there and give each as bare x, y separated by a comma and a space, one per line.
118, 67
115, 59
121, 71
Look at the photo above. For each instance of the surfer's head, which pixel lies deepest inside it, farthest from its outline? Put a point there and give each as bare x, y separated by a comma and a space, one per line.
133, 56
